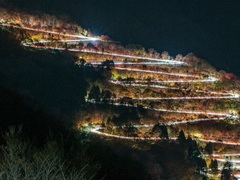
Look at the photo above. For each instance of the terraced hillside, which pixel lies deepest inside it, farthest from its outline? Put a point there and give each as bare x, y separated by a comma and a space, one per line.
149, 96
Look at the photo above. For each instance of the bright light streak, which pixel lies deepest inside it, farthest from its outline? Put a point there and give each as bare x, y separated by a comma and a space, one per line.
62, 41
230, 160
114, 54
156, 72
177, 122
177, 81
182, 111
235, 95
52, 32
194, 112
223, 154
137, 63
143, 85
179, 98
96, 131
134, 84
97, 128
220, 142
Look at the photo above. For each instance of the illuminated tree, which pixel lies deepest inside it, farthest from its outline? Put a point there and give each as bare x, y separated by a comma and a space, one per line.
151, 52
137, 49
165, 55
80, 45
179, 57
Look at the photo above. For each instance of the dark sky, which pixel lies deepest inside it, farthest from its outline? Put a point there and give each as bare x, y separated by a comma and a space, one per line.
208, 28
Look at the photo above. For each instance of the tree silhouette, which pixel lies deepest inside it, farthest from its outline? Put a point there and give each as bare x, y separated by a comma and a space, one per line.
193, 150
106, 96
201, 164
108, 64
82, 62
181, 138
209, 148
226, 171
94, 94
164, 133
214, 165
161, 129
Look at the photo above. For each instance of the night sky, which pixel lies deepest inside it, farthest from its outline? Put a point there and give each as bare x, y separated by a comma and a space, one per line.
208, 28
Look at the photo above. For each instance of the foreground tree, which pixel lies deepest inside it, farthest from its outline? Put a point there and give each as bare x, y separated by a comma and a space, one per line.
214, 166
20, 159
164, 133
209, 148
94, 94
226, 173
181, 138
161, 130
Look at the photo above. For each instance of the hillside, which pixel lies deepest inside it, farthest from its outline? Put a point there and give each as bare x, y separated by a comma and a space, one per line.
149, 107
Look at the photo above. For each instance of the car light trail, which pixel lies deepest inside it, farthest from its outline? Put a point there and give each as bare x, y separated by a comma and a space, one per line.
51, 32
178, 98
110, 54
195, 112
223, 154
156, 72
137, 63
230, 160
231, 116
177, 81
134, 84
176, 122
96, 129
209, 79
233, 143
151, 61
218, 175
143, 85
62, 41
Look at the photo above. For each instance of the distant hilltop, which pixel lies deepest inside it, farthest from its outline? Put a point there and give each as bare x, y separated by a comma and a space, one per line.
43, 30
